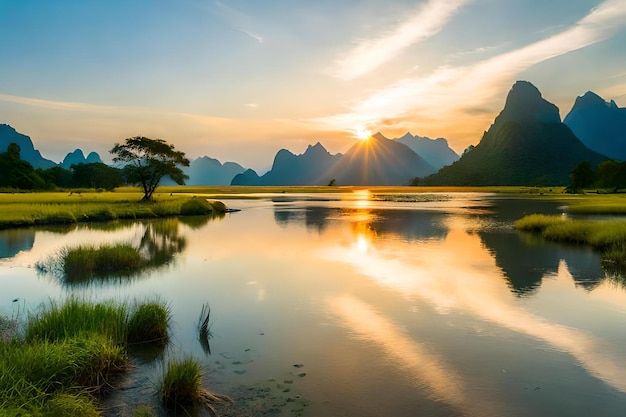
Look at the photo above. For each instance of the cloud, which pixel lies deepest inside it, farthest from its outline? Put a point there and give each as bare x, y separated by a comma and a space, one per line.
371, 53
239, 21
449, 89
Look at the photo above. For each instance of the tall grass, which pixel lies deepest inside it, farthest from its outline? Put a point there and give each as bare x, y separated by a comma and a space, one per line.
608, 237
181, 386
149, 324
58, 321
70, 352
86, 261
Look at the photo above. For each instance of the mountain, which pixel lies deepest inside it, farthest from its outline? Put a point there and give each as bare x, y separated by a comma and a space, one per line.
248, 177
28, 152
379, 161
210, 171
375, 161
526, 145
309, 168
599, 124
78, 157
435, 151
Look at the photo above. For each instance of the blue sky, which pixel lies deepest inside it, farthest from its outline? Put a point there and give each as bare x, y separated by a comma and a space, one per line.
239, 80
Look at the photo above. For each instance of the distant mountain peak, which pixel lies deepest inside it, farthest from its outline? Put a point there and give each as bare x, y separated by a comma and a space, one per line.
525, 104
379, 136
589, 99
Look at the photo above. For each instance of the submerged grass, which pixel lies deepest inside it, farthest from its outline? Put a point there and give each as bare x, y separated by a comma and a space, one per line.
71, 352
608, 237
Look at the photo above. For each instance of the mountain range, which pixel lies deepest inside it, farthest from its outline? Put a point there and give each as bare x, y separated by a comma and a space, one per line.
527, 144
375, 161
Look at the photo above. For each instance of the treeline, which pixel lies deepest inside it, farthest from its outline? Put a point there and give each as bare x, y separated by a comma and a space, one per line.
16, 173
609, 175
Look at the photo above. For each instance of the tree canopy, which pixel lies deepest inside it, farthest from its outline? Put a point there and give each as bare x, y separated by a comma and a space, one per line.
146, 161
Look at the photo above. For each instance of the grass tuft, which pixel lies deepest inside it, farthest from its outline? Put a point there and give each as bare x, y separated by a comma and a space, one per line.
149, 323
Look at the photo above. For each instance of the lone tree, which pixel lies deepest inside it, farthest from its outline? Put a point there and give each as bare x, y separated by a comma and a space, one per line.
148, 160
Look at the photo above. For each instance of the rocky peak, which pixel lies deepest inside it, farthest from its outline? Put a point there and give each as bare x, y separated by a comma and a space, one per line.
524, 104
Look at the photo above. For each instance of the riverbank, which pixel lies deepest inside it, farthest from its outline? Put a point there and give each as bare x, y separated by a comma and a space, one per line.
69, 207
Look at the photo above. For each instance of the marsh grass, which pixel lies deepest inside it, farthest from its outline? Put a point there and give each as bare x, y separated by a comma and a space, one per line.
70, 353
149, 323
181, 386
32, 209
608, 237
75, 317
86, 261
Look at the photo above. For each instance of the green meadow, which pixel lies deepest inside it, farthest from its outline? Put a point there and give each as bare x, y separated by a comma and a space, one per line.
30, 209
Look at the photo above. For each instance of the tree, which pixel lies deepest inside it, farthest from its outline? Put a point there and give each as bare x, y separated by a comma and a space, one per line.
147, 161
17, 173
581, 176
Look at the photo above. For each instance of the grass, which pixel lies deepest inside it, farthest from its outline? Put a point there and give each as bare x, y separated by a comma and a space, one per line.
30, 209
71, 352
608, 237
181, 386
86, 261
149, 324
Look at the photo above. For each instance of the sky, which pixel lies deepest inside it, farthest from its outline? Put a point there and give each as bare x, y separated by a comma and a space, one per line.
238, 80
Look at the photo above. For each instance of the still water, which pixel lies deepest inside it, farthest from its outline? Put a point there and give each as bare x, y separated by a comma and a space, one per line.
363, 305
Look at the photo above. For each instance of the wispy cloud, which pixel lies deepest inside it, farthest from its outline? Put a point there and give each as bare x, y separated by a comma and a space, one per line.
369, 54
239, 21
451, 89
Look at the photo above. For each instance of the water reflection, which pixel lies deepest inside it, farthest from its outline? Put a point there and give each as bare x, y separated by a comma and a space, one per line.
14, 241
525, 259
425, 367
157, 241
408, 225
458, 275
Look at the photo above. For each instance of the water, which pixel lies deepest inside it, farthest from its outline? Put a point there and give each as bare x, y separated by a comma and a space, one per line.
362, 305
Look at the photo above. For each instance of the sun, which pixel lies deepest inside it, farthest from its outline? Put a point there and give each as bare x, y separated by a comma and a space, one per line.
362, 133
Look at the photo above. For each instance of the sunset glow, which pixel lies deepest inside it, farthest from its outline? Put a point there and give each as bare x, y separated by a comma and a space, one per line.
286, 80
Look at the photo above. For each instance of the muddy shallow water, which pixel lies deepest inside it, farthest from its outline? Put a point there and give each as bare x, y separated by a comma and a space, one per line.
362, 305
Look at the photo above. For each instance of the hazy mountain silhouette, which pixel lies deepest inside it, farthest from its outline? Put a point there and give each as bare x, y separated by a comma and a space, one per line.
210, 171
309, 168
376, 161
379, 161
526, 145
599, 124
78, 157
435, 151
248, 177
28, 152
